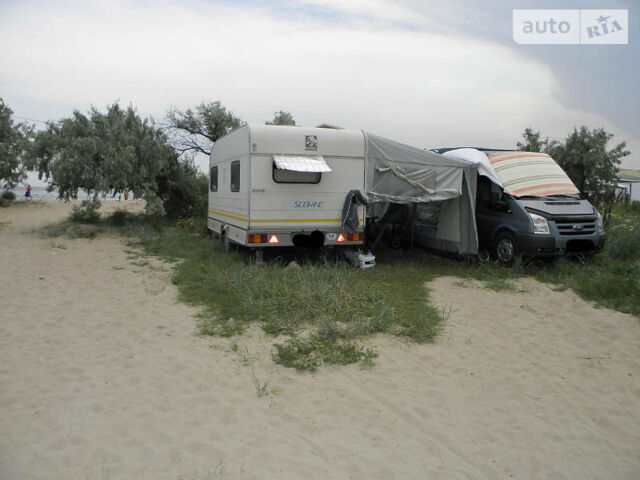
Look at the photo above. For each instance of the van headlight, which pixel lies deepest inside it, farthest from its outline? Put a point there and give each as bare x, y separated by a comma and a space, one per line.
599, 224
540, 224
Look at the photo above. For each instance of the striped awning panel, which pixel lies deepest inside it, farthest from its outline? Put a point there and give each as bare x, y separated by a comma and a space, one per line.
531, 173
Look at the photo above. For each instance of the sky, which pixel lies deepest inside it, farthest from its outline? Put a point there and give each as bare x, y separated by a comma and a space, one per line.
429, 74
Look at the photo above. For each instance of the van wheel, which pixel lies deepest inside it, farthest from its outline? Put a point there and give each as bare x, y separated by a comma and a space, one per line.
506, 249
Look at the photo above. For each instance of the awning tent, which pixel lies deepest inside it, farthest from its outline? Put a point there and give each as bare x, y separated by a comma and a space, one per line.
476, 156
442, 188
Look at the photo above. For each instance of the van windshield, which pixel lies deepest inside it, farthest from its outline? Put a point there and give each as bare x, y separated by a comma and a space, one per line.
532, 175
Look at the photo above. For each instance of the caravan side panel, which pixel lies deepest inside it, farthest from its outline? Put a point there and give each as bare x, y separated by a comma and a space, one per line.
229, 196
303, 207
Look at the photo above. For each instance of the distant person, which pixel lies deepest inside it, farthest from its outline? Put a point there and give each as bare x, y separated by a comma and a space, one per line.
27, 194
126, 195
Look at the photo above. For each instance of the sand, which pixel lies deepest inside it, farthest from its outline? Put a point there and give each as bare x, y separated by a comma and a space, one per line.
103, 376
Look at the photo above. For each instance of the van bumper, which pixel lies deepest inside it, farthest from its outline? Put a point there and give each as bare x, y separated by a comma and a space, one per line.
530, 244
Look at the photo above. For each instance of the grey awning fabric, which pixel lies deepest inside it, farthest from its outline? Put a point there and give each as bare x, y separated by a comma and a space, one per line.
401, 174
405, 174
301, 163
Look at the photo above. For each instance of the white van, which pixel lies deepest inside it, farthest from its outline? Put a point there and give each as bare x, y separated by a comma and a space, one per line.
275, 186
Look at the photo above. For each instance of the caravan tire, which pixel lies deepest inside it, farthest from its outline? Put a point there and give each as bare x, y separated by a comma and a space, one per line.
506, 248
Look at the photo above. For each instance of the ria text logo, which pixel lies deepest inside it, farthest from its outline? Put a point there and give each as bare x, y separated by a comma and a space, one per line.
587, 27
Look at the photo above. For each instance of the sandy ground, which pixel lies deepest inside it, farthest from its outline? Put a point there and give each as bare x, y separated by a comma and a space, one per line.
102, 376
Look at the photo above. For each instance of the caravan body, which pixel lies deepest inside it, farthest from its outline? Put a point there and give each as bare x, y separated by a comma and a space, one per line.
285, 186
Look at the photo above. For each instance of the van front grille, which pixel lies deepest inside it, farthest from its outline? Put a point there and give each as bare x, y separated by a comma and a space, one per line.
575, 227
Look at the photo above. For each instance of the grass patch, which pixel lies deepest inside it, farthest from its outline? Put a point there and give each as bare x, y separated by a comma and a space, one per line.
72, 230
502, 285
319, 312
86, 222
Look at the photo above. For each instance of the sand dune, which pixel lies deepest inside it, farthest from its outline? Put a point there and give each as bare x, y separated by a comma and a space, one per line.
102, 375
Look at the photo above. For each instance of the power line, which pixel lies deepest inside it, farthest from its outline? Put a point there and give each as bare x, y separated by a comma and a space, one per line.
30, 119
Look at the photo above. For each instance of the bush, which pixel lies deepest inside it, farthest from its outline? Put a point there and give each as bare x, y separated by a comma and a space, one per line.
8, 195
87, 212
120, 218
4, 203
183, 190
634, 207
623, 243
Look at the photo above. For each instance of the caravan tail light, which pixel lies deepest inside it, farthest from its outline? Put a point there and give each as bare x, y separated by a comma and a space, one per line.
274, 239
257, 238
340, 238
354, 237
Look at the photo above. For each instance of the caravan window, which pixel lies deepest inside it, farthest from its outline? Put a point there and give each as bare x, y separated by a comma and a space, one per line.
290, 176
213, 179
235, 176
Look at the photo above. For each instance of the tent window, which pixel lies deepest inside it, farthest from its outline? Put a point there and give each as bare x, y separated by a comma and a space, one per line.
235, 176
213, 179
291, 176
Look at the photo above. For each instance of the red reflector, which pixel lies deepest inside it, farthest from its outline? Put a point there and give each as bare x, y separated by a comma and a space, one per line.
257, 238
274, 239
354, 237
340, 238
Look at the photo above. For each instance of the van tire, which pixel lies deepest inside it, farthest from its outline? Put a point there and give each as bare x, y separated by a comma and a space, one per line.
506, 249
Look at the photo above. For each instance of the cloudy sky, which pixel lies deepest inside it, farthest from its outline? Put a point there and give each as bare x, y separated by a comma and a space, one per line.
439, 75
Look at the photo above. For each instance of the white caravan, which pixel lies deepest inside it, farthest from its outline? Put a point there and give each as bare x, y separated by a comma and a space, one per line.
285, 186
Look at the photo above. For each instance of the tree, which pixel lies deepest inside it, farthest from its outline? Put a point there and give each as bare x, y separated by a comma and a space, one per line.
281, 118
197, 130
584, 157
13, 144
532, 142
104, 154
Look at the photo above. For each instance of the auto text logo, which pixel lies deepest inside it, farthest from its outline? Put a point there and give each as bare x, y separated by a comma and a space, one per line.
587, 27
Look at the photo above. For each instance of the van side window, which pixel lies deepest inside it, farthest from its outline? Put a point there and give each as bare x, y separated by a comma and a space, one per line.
290, 176
483, 194
235, 176
213, 179
490, 195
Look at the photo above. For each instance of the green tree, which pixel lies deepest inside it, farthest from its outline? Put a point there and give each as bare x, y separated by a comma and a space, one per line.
532, 142
14, 141
584, 156
104, 154
281, 118
196, 130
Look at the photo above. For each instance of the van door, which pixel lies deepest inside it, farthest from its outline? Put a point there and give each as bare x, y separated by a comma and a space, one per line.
492, 210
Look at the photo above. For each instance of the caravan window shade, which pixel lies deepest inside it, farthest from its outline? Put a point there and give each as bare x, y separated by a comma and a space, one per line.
301, 163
